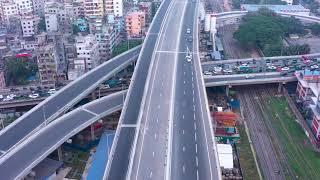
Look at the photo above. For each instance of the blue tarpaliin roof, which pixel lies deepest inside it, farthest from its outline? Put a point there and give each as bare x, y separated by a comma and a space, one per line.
100, 158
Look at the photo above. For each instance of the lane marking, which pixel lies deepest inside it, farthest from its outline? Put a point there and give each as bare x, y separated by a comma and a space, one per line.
157, 120
195, 125
155, 136
159, 106
183, 116
196, 148
194, 115
150, 174
194, 108
195, 136
182, 131
193, 99
193, 91
184, 92
184, 82
183, 148
197, 174
88, 111
160, 94
183, 169
184, 73
129, 125
197, 162
162, 83
192, 78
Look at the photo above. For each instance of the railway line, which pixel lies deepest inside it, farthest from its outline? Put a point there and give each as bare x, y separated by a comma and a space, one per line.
268, 159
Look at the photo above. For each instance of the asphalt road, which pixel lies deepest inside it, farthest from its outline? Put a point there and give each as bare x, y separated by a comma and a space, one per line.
120, 154
59, 102
193, 155
149, 160
18, 162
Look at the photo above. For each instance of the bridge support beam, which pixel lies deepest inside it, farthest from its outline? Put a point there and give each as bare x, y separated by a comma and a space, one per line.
228, 89
92, 132
60, 156
280, 87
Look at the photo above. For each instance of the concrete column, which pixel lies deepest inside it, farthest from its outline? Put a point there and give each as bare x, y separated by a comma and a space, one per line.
60, 157
227, 90
92, 132
279, 88
93, 95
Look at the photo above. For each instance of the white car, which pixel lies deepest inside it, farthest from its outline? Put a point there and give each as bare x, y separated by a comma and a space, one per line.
314, 66
217, 69
188, 30
52, 91
249, 76
1, 96
272, 67
7, 99
285, 69
207, 73
33, 96
12, 95
227, 71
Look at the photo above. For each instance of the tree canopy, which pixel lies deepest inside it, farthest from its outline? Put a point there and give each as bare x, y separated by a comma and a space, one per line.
18, 70
266, 30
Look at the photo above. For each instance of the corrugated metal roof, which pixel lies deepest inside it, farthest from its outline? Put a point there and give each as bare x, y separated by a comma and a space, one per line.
225, 155
101, 156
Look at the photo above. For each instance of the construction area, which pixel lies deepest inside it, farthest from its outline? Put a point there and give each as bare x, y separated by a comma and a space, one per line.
267, 140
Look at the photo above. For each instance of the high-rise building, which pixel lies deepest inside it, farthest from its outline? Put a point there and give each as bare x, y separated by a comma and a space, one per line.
87, 54
38, 7
114, 7
24, 6
9, 9
135, 24
29, 25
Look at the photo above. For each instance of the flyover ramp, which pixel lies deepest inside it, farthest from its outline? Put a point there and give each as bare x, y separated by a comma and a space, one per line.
61, 101
18, 163
124, 139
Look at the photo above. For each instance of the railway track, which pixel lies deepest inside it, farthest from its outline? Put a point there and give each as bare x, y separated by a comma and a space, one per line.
267, 156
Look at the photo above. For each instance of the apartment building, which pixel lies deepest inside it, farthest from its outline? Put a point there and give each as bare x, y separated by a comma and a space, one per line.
24, 6
308, 91
9, 9
87, 52
135, 24
29, 25
46, 59
114, 7
107, 39
146, 7
38, 7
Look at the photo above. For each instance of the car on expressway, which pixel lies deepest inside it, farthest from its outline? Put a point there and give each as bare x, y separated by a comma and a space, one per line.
33, 96
188, 31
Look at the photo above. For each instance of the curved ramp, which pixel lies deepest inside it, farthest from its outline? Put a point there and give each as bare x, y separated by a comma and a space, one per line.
18, 163
60, 102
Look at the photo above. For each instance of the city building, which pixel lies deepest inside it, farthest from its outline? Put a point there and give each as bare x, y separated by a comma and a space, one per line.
135, 24
293, 9
29, 43
2, 80
24, 6
114, 7
107, 39
146, 7
87, 54
93, 8
308, 91
46, 59
29, 25
38, 7
9, 9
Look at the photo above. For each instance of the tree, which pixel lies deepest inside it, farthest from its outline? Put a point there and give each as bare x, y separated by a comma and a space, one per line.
315, 29
18, 70
42, 25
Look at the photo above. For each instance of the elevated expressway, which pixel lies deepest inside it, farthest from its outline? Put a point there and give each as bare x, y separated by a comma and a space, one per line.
175, 136
60, 102
18, 163
242, 79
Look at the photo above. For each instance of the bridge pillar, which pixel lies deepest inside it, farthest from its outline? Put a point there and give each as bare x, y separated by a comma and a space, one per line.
60, 157
92, 132
279, 88
227, 90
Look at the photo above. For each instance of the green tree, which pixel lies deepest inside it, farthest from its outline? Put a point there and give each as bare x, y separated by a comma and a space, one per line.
18, 70
315, 29
42, 25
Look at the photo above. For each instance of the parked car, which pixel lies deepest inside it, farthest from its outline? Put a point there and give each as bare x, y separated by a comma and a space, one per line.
52, 91
285, 69
207, 73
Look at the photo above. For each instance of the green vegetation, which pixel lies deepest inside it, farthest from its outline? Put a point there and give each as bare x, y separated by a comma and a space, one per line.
315, 29
313, 5
304, 162
124, 46
17, 70
248, 166
266, 30
42, 25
